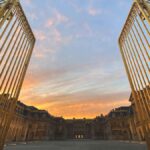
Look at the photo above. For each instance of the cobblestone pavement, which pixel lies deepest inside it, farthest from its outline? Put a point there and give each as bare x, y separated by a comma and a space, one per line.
77, 145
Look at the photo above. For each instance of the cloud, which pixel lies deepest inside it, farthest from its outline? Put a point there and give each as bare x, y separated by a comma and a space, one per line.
56, 19
71, 81
60, 18
94, 12
49, 23
83, 104
75, 63
89, 8
57, 35
40, 35
49, 42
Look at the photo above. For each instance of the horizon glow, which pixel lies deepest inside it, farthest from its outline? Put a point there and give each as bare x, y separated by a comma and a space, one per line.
76, 70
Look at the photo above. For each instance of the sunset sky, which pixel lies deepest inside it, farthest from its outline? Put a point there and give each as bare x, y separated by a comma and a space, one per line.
76, 68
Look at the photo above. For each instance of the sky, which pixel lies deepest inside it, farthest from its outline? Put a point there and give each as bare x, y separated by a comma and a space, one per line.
76, 69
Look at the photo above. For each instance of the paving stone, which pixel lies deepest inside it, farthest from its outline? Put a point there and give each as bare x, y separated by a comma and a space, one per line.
77, 145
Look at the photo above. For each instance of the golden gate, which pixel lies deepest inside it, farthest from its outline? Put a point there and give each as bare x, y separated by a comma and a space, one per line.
16, 46
134, 43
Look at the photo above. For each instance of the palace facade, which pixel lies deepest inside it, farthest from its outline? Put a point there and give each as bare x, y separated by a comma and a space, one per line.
117, 124
31, 124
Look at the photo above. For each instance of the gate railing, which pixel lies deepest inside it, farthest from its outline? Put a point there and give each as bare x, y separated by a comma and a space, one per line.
16, 46
134, 43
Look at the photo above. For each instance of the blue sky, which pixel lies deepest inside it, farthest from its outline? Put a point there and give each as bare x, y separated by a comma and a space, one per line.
76, 68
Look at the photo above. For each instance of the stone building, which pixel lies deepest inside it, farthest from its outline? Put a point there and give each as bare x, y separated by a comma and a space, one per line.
99, 127
59, 128
117, 124
137, 124
19, 125
31, 124
79, 128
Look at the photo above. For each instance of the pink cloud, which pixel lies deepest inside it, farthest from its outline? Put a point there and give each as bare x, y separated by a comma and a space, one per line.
49, 23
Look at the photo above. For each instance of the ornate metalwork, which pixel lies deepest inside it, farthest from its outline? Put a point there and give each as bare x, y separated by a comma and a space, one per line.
134, 44
16, 46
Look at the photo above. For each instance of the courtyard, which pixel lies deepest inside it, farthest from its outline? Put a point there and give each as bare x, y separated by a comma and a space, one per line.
77, 145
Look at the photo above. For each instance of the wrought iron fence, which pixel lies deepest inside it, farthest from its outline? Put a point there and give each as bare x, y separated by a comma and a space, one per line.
16, 46
134, 43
